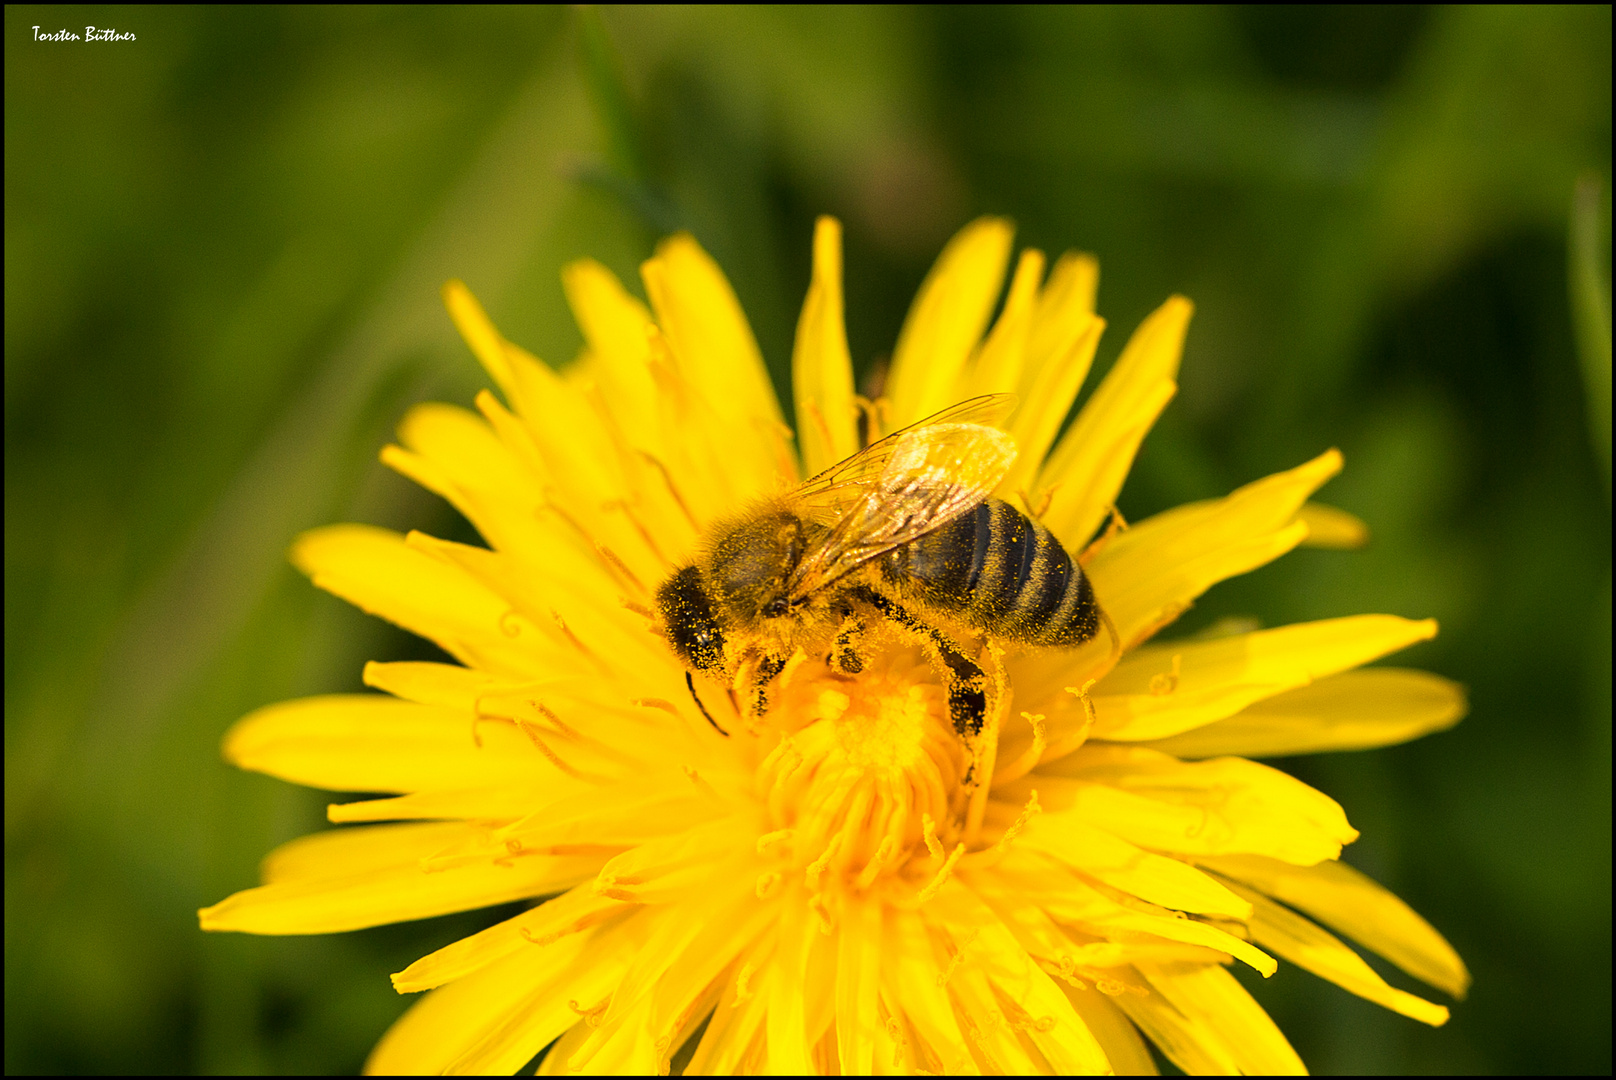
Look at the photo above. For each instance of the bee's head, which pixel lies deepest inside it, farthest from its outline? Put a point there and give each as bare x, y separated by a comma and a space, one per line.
751, 563
687, 611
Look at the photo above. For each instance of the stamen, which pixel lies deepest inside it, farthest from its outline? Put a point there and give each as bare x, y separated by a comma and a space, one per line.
883, 855
989, 856
956, 959
563, 729
612, 561
1064, 970
673, 489
1083, 696
936, 883
531, 731
699, 780
816, 904
785, 460
627, 511
1163, 683
1116, 523
566, 632
816, 869
768, 840
816, 417
591, 1016
1030, 757
767, 884
743, 985
929, 831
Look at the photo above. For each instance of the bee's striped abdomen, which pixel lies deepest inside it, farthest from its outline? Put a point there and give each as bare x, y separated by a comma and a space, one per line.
1003, 572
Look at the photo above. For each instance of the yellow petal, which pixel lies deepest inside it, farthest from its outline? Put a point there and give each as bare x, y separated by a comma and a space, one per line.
690, 943
369, 742
1048, 1018
1113, 860
429, 683
679, 992
526, 1000
1212, 1001
1293, 938
439, 1027
1044, 405
1034, 878
911, 976
561, 1051
1086, 470
666, 869
1065, 306
999, 365
375, 570
1355, 710
946, 320
716, 352
621, 817
732, 1030
1060, 348
1330, 527
1150, 573
1341, 897
791, 981
566, 623
1162, 690
1196, 1048
336, 852
993, 1041
617, 328
496, 804
821, 368
1209, 807
858, 973
479, 333
1125, 1051
374, 895
591, 553
573, 912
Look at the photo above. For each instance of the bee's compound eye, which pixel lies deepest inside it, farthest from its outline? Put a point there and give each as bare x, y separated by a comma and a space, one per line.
692, 630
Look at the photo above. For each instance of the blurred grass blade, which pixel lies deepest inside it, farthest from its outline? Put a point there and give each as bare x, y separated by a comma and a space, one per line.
603, 75
625, 174
1590, 309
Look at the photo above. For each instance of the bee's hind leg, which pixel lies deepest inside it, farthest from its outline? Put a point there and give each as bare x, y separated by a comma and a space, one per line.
967, 682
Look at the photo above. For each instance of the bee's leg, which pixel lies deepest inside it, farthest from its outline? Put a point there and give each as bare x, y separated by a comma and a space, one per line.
967, 682
762, 675
844, 655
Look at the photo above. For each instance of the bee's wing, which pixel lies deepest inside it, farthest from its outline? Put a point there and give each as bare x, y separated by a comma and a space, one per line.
897, 490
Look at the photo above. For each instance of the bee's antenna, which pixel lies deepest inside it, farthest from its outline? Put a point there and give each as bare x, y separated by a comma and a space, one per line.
691, 683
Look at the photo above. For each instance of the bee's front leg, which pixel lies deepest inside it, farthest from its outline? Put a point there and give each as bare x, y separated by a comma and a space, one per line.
844, 655
763, 674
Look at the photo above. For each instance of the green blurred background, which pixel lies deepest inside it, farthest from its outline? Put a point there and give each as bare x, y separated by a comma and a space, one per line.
224, 242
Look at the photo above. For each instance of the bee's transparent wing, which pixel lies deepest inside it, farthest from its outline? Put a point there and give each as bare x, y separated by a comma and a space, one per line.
897, 490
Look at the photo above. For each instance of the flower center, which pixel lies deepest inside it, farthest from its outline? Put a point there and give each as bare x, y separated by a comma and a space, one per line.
871, 778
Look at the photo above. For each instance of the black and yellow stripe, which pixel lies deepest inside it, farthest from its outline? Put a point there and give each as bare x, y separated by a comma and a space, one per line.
1003, 572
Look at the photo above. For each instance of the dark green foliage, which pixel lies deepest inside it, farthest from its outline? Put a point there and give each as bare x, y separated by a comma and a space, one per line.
224, 242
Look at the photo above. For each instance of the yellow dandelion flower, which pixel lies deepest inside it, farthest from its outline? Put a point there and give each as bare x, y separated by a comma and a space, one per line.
800, 863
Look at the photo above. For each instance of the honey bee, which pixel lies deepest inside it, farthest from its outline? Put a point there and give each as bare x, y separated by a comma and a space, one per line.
904, 531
